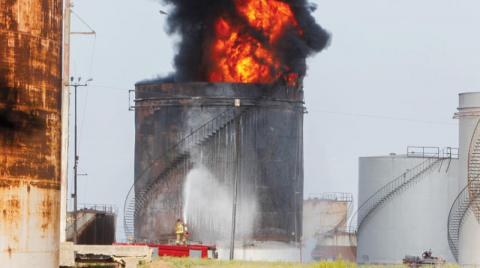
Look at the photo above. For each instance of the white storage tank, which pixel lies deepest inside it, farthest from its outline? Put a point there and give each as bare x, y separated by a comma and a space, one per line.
469, 134
406, 218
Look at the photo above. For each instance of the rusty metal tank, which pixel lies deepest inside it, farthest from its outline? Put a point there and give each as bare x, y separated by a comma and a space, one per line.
30, 92
189, 130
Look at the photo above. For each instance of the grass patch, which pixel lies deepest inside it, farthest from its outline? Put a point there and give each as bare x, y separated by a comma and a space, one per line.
202, 263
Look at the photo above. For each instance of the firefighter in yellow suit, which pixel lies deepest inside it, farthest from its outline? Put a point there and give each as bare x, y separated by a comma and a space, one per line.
180, 232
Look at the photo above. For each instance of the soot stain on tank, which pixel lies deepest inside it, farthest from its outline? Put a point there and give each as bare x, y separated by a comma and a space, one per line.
13, 119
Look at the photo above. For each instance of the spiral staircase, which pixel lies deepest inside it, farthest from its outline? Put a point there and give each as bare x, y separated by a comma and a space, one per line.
468, 200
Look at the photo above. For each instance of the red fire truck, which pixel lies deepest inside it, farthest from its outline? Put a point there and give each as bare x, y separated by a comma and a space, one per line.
192, 251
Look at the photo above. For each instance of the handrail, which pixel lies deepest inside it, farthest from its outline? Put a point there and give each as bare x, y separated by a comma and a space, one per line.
430, 151
333, 196
179, 149
391, 187
384, 193
423, 151
457, 211
99, 207
196, 137
451, 152
188, 140
465, 198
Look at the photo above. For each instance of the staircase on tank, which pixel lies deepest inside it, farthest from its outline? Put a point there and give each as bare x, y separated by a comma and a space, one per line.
177, 154
173, 157
388, 191
468, 199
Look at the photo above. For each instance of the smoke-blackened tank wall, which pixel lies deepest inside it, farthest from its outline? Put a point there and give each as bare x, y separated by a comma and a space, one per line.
271, 151
30, 90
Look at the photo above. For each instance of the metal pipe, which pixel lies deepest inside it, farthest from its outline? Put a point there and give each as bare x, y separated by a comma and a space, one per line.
235, 185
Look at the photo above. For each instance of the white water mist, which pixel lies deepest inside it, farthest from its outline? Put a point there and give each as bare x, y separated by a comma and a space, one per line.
208, 208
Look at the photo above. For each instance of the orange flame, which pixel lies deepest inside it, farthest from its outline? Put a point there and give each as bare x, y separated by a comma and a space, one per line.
270, 17
238, 56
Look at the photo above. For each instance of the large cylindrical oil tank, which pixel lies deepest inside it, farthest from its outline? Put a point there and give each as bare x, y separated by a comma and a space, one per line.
411, 220
30, 91
271, 159
469, 116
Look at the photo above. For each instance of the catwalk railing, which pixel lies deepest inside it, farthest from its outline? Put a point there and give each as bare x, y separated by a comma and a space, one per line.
427, 152
333, 196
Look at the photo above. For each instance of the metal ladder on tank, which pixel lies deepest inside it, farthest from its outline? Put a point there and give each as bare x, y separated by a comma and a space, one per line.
389, 190
176, 155
469, 198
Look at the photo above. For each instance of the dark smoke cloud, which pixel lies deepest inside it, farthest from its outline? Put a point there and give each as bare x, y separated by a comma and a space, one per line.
193, 20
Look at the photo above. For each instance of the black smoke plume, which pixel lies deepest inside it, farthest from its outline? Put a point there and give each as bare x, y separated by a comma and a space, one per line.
194, 21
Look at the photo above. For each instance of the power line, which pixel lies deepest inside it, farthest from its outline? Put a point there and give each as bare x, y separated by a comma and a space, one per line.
125, 90
385, 117
76, 84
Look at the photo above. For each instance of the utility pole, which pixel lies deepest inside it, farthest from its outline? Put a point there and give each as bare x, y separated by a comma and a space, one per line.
236, 175
67, 18
76, 85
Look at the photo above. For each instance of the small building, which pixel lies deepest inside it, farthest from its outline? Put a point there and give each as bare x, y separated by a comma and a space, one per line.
326, 235
95, 225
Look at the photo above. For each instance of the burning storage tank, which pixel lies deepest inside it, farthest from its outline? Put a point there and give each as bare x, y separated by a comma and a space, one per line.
30, 92
188, 138
231, 114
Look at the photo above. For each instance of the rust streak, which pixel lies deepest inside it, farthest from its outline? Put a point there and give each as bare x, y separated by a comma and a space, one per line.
41, 184
30, 129
46, 210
